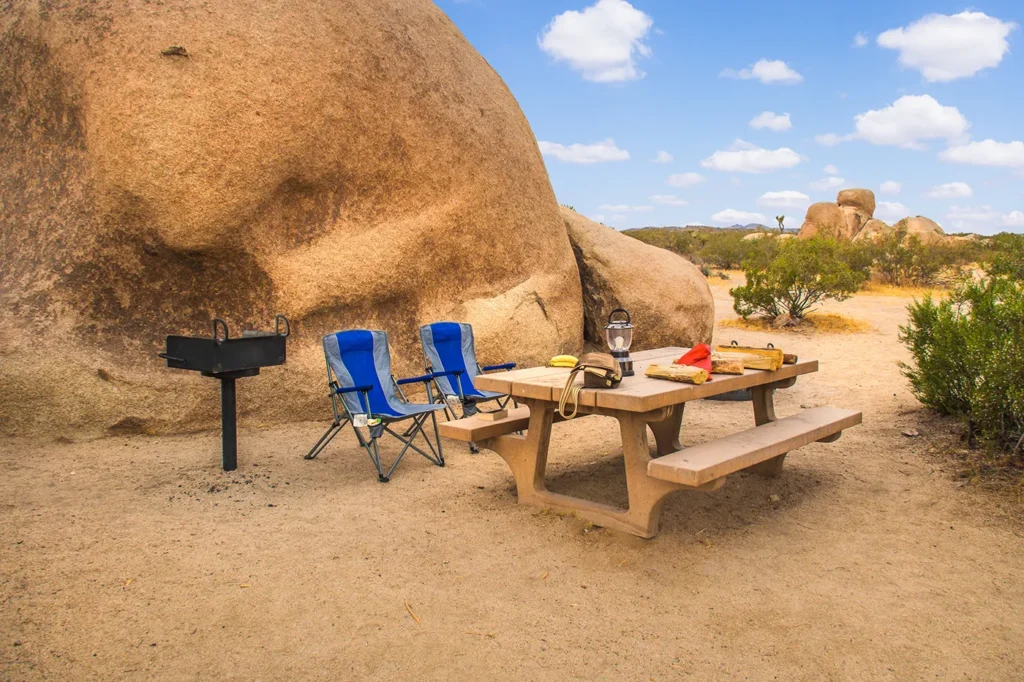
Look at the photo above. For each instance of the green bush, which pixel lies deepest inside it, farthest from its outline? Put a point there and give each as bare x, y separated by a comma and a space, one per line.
791, 277
903, 261
1006, 255
968, 357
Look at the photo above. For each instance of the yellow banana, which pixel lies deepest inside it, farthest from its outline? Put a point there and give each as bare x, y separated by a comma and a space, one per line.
563, 361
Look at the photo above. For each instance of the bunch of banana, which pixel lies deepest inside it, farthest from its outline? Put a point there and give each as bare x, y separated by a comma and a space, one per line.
563, 361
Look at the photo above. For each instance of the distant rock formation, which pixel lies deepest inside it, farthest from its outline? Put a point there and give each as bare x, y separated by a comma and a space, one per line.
926, 230
824, 218
852, 217
874, 230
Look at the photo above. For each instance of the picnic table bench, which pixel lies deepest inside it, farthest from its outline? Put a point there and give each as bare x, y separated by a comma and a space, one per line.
639, 403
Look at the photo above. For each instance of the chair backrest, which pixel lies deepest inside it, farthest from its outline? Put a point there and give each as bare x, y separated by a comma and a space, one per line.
360, 357
448, 346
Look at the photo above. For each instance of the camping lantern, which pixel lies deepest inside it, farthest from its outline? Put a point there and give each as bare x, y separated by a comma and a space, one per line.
619, 335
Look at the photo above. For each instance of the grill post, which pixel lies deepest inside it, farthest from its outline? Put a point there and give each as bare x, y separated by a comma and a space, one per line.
228, 424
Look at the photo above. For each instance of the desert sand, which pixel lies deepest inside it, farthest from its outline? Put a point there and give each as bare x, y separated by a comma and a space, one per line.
137, 558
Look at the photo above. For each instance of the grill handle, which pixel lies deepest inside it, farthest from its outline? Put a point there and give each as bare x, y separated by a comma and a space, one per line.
277, 326
223, 324
165, 356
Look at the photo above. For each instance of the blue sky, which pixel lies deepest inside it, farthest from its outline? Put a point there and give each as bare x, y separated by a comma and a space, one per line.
671, 112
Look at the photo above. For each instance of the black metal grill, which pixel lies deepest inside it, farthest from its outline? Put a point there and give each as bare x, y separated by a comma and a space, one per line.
227, 359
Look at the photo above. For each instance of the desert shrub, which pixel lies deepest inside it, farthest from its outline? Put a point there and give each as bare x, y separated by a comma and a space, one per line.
968, 357
727, 249
791, 277
1005, 255
904, 261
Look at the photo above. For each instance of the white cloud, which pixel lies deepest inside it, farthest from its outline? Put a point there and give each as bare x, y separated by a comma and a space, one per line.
744, 157
771, 121
950, 190
831, 170
584, 153
685, 179
890, 187
669, 200
944, 48
860, 40
831, 139
910, 120
731, 216
603, 41
830, 182
617, 218
785, 199
982, 219
642, 209
891, 210
987, 153
768, 72
597, 218
662, 157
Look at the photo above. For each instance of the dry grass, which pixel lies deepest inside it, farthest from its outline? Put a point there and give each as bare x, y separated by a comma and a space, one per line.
879, 289
824, 323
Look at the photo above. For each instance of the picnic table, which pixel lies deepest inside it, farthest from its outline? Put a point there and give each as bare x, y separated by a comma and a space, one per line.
638, 403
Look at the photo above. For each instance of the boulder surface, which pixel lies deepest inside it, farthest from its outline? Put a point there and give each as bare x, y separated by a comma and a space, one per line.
666, 295
863, 199
925, 229
874, 230
347, 163
823, 217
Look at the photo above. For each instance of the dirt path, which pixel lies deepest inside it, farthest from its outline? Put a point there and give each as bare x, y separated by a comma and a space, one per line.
135, 558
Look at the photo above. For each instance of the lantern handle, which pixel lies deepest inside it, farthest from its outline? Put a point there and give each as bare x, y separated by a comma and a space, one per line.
619, 310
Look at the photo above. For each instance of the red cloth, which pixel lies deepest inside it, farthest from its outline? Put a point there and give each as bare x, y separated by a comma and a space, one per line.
698, 356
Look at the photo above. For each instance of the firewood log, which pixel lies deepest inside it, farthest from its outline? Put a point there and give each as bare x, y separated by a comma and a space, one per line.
683, 373
750, 361
774, 354
721, 365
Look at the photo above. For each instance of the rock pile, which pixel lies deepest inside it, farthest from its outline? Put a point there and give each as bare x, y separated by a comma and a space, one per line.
852, 217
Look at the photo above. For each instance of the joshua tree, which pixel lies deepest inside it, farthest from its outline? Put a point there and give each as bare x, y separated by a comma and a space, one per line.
781, 219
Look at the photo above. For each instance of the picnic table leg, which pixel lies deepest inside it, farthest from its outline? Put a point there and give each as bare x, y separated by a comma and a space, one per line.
666, 431
764, 413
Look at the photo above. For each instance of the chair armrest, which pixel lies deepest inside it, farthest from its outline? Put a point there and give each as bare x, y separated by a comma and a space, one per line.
491, 368
416, 380
352, 389
449, 373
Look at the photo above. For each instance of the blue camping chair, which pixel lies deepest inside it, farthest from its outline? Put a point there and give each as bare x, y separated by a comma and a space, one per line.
362, 387
450, 357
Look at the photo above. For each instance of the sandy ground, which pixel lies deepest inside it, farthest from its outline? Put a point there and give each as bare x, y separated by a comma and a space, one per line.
137, 558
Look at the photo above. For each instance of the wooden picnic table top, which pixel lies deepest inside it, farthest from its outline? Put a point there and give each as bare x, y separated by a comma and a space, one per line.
637, 393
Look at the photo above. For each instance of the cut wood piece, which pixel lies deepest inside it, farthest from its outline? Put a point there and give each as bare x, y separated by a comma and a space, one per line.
701, 464
683, 373
776, 354
723, 366
749, 360
790, 359
477, 429
494, 416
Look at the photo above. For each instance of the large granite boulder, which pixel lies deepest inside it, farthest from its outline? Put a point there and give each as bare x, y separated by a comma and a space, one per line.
348, 163
863, 199
926, 230
824, 218
873, 231
666, 295
854, 220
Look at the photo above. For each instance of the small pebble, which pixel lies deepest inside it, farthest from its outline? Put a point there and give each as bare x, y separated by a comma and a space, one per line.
911, 433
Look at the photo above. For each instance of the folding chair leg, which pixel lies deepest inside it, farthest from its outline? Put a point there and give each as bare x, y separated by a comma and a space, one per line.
332, 431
